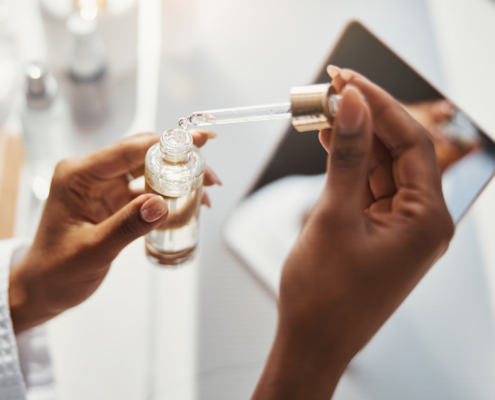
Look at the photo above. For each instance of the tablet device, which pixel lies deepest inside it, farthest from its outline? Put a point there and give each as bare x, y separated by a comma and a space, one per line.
264, 226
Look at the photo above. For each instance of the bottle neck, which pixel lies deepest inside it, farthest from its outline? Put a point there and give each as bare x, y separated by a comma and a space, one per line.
175, 145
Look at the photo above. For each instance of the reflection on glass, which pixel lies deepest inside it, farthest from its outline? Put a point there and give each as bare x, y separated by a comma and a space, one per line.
453, 134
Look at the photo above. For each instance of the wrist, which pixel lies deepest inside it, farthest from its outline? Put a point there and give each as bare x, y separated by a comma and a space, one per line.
300, 367
26, 307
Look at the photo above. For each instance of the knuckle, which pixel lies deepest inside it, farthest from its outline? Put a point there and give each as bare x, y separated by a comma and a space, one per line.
145, 135
427, 141
138, 138
131, 141
439, 229
64, 169
446, 226
62, 166
127, 147
353, 77
398, 149
433, 219
327, 218
129, 227
347, 155
429, 211
87, 246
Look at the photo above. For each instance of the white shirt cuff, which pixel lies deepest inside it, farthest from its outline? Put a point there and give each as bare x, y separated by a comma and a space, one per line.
25, 367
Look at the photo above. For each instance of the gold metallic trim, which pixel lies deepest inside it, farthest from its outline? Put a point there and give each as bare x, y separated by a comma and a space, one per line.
309, 107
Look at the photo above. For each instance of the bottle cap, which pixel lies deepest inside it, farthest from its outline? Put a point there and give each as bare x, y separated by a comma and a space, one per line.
310, 108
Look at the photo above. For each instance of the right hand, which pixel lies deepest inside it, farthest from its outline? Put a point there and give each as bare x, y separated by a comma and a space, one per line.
378, 227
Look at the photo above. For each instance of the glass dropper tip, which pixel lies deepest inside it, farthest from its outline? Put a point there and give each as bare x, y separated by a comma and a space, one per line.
184, 123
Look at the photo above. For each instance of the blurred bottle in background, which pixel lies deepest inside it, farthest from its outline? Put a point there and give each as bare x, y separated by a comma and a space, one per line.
91, 49
46, 127
117, 27
87, 73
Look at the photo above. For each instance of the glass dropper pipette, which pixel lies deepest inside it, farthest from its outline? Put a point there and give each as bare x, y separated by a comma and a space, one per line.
311, 107
239, 114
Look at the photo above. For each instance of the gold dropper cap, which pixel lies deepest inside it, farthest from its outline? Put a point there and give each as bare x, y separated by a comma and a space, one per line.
309, 107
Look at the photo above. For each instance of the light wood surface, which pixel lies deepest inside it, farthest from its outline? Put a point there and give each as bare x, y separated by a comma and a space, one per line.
11, 162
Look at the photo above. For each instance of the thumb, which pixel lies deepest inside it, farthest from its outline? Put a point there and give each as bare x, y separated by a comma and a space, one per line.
136, 219
350, 150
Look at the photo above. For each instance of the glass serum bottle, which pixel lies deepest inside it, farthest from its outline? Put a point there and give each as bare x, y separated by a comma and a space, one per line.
174, 169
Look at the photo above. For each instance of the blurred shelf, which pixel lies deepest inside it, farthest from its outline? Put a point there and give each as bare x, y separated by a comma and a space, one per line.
11, 162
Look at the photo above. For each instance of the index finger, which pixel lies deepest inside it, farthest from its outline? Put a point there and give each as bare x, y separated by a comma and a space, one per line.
119, 158
127, 155
201, 136
408, 143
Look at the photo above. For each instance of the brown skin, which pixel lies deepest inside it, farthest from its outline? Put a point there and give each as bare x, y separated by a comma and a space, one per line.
378, 227
89, 217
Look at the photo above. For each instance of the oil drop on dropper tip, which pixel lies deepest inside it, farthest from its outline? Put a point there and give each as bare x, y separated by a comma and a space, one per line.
239, 114
311, 107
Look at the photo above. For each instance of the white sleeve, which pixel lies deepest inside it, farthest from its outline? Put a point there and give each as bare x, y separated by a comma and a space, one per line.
25, 367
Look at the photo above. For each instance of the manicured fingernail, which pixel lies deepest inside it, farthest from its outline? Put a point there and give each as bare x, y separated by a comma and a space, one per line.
206, 199
213, 177
211, 134
153, 209
351, 111
333, 71
346, 75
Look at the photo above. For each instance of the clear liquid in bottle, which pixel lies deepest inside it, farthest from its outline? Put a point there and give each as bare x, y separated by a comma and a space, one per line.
174, 170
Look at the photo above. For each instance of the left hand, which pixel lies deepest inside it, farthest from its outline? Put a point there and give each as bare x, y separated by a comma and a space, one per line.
90, 215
